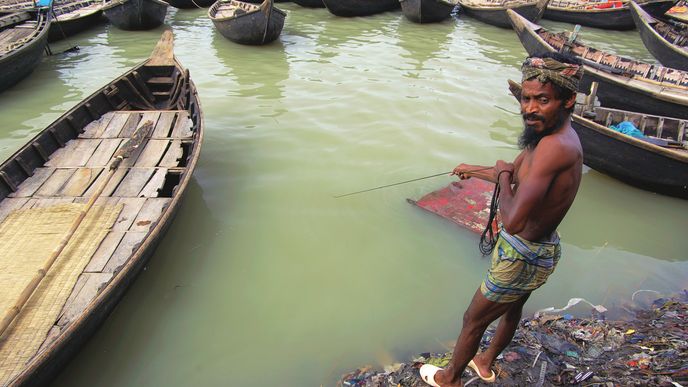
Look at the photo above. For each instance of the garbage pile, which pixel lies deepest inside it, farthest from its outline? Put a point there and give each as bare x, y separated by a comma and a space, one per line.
649, 346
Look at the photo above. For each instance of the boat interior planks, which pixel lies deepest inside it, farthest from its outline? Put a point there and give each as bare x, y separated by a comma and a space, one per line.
624, 83
69, 163
666, 41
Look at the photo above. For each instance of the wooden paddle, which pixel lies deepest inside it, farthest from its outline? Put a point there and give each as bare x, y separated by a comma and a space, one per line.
125, 152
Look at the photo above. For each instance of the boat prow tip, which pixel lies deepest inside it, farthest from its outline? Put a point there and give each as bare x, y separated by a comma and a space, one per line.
163, 53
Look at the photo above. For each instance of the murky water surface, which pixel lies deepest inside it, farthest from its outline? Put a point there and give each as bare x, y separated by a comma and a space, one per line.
264, 278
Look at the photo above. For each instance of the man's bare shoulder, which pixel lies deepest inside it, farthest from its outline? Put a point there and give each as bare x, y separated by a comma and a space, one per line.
562, 148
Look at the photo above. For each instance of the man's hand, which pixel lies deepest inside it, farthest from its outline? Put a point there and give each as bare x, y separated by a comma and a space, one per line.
462, 171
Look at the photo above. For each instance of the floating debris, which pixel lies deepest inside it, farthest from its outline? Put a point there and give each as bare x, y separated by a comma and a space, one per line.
650, 348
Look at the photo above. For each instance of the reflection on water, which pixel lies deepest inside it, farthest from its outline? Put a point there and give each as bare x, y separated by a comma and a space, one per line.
265, 278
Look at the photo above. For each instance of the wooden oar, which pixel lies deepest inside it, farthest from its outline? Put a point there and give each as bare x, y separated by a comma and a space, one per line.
125, 152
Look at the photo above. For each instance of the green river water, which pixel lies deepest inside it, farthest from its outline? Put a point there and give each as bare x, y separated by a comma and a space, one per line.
266, 279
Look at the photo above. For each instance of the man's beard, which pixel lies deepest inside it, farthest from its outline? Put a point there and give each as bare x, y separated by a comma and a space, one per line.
530, 138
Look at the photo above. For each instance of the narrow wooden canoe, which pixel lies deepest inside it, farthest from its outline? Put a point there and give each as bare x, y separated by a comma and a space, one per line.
65, 163
72, 17
350, 8
616, 16
310, 3
494, 11
23, 38
427, 11
136, 14
190, 4
657, 162
667, 42
247, 23
623, 83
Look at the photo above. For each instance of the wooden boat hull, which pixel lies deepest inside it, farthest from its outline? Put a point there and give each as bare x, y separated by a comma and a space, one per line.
61, 29
310, 3
251, 28
632, 161
426, 11
350, 8
123, 94
498, 17
666, 53
615, 91
19, 63
190, 4
609, 18
133, 15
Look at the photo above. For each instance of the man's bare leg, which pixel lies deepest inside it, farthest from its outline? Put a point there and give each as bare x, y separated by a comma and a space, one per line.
503, 336
479, 315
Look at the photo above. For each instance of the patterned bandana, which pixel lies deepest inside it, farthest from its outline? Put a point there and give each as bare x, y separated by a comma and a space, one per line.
549, 70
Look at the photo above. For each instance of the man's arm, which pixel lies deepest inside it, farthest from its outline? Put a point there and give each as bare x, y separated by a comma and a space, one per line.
515, 209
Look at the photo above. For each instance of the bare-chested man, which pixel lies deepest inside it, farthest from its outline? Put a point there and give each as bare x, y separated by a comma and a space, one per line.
536, 192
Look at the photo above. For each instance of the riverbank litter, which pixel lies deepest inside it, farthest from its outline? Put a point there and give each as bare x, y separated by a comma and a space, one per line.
646, 345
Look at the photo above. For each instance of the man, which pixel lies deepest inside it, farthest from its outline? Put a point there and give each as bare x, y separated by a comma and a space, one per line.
536, 192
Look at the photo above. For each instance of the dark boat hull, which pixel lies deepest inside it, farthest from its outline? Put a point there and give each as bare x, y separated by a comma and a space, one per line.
135, 15
190, 4
498, 16
426, 11
632, 161
43, 367
310, 3
666, 53
610, 19
62, 29
350, 8
252, 28
17, 65
614, 91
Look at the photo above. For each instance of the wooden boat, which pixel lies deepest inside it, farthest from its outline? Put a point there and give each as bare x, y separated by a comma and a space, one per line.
73, 17
154, 112
247, 23
23, 38
611, 14
623, 83
349, 8
657, 162
494, 11
427, 11
136, 14
190, 4
13, 6
668, 42
310, 3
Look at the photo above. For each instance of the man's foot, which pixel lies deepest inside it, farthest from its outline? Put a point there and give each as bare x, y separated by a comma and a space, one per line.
443, 379
483, 368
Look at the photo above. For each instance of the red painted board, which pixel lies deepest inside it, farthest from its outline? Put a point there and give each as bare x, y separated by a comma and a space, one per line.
465, 202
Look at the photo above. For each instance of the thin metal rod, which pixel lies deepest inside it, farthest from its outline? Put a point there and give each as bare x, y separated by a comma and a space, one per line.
391, 185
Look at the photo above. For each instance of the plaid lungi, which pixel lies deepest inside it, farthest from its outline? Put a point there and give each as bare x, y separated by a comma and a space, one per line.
519, 267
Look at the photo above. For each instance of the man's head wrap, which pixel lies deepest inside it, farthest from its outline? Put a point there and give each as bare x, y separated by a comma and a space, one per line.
566, 75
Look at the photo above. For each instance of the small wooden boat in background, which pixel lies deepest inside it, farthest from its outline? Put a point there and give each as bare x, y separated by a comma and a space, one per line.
349, 8
23, 39
611, 14
623, 83
190, 4
310, 3
666, 42
71, 17
427, 11
657, 161
155, 106
136, 14
247, 23
494, 11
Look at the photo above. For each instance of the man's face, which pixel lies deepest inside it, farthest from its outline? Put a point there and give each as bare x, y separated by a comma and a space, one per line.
542, 112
